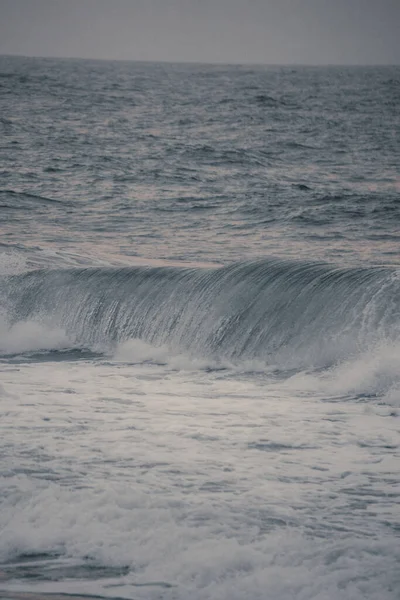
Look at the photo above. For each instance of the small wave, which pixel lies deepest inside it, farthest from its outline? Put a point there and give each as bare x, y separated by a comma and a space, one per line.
269, 446
302, 186
29, 196
266, 100
10, 75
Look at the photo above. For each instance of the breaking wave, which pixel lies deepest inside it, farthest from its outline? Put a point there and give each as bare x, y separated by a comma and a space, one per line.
299, 314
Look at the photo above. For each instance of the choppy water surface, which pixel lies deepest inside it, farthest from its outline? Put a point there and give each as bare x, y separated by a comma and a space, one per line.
199, 331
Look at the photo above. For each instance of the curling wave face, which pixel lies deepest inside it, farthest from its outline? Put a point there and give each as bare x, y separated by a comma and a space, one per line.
292, 314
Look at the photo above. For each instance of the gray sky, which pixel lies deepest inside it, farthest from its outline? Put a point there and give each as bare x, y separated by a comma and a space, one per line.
235, 31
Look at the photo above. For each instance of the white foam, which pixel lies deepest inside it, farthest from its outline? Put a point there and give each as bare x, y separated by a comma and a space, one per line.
375, 372
28, 336
162, 475
211, 561
138, 351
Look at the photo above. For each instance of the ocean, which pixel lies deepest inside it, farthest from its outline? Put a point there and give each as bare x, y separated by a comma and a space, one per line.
199, 331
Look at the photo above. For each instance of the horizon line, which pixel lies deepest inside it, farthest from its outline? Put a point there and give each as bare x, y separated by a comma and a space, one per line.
198, 62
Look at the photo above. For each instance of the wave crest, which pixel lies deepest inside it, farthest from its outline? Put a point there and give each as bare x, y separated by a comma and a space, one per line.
299, 314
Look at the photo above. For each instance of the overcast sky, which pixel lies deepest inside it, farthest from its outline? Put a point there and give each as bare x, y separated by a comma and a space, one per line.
235, 31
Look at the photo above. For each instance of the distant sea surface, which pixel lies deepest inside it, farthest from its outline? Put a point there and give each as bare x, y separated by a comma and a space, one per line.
199, 331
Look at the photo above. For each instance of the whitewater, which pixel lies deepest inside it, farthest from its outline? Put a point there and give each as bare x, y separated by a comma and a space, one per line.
199, 331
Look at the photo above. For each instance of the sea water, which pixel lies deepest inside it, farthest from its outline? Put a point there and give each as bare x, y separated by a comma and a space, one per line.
199, 331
